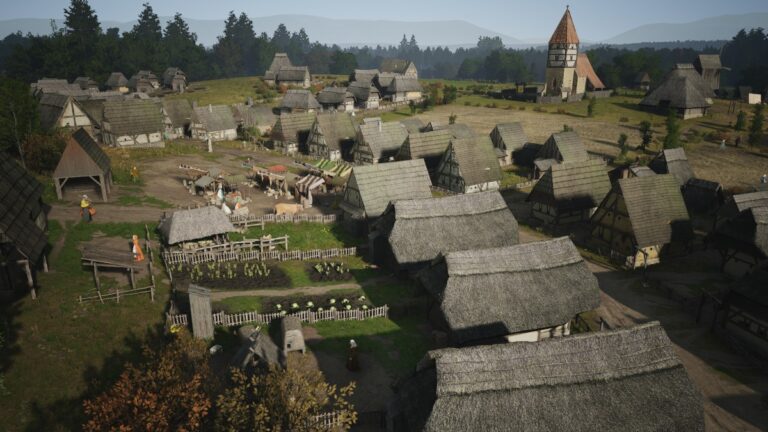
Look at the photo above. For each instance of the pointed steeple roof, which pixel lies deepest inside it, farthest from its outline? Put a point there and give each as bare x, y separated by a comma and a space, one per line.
565, 33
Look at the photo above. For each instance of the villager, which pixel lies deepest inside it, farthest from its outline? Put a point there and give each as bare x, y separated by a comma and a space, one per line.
135, 174
138, 254
353, 363
764, 179
220, 194
86, 209
722, 145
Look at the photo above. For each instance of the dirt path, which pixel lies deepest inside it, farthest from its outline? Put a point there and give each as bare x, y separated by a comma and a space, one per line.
107, 213
307, 290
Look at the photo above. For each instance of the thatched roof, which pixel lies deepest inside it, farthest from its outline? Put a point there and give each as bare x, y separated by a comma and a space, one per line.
384, 79
292, 74
682, 88
82, 157
179, 111
117, 79
299, 99
564, 146
50, 108
394, 65
86, 83
565, 32
364, 76
401, 84
708, 61
293, 127
422, 229
253, 115
383, 138
491, 293
289, 323
672, 161
572, 185
279, 61
133, 116
362, 90
426, 144
59, 86
741, 202
195, 224
477, 160
642, 78
333, 95
334, 128
656, 208
584, 69
620, 380
20, 204
458, 130
509, 136
256, 344
378, 185
413, 125
172, 73
215, 118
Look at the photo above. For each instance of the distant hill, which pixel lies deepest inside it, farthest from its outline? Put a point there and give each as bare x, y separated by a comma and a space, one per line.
716, 28
326, 30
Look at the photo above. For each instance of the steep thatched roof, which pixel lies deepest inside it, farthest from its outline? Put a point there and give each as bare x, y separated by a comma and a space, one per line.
656, 208
362, 90
293, 127
59, 86
279, 61
253, 115
565, 32
333, 95
117, 79
672, 161
259, 345
20, 204
572, 185
133, 116
179, 111
413, 125
383, 138
421, 229
708, 61
292, 74
476, 158
51, 107
394, 65
334, 129
620, 380
299, 99
289, 323
490, 293
364, 76
682, 88
86, 83
401, 84
384, 79
172, 73
426, 144
564, 146
378, 185
215, 118
509, 136
195, 224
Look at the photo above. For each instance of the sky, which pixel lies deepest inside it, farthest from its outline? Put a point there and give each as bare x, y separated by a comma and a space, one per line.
522, 19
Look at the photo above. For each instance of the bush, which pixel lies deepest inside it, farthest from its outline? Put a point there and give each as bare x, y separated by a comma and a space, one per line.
623, 120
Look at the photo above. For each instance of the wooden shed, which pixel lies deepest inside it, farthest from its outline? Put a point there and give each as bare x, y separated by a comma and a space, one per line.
279, 61
413, 232
612, 381
569, 192
638, 218
675, 162
292, 339
526, 292
83, 158
507, 139
469, 165
378, 141
332, 136
291, 132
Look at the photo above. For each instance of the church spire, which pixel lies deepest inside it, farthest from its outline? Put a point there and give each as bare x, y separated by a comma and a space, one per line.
565, 33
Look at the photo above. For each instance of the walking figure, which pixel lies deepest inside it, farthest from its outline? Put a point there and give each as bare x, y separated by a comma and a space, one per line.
86, 209
138, 254
135, 174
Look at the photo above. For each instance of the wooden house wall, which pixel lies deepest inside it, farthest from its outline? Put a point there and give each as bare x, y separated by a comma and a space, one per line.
363, 154
449, 174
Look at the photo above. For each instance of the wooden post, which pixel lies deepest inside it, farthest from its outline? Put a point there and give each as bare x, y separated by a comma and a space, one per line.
30, 280
96, 276
57, 183
103, 188
45, 263
117, 294
133, 280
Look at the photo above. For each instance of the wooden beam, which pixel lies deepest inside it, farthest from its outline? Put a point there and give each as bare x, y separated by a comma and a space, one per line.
45, 263
30, 279
103, 186
57, 183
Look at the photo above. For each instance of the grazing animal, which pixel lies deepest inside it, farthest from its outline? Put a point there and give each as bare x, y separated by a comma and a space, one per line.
284, 208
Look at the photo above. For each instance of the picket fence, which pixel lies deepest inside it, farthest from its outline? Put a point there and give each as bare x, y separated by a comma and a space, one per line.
253, 220
326, 421
230, 320
176, 257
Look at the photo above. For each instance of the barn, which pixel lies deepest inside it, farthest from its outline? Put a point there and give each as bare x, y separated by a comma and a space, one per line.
672, 161
430, 146
371, 188
214, 122
403, 89
638, 218
569, 192
469, 165
82, 158
378, 141
401, 67
291, 132
618, 380
526, 292
332, 136
682, 90
507, 139
413, 232
133, 123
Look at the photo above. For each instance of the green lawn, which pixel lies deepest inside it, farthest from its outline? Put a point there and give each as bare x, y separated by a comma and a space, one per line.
305, 235
225, 91
143, 201
59, 350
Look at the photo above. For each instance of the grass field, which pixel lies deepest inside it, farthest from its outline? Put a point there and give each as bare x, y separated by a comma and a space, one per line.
305, 235
225, 91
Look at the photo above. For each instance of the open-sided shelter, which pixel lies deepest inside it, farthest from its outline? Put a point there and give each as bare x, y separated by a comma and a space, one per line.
83, 158
469, 165
413, 232
612, 381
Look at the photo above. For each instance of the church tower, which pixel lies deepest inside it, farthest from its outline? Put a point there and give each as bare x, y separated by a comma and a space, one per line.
561, 60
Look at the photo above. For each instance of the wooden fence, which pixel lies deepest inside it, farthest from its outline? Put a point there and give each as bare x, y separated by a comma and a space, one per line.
326, 421
230, 320
246, 221
174, 257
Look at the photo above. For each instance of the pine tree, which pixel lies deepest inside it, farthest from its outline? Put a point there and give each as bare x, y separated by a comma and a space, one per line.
756, 127
591, 107
281, 38
647, 133
741, 121
623, 146
672, 140
82, 32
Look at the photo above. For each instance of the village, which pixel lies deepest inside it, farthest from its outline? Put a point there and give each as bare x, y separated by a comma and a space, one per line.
538, 256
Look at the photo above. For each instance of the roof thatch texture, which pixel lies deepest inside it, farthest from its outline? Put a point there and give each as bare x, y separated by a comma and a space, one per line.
82, 157
293, 127
656, 208
401, 84
299, 99
179, 111
292, 74
279, 61
620, 380
394, 65
565, 32
509, 136
94, 108
20, 204
458, 130
383, 138
489, 293
378, 185
564, 146
257, 344
584, 69
172, 73
195, 224
384, 79
426, 144
133, 116
682, 88
361, 90
572, 185
708, 61
673, 161
413, 125
642, 78
253, 115
364, 76
333, 95
335, 128
289, 323
477, 160
117, 79
86, 83
50, 108
215, 118
425, 228
59, 86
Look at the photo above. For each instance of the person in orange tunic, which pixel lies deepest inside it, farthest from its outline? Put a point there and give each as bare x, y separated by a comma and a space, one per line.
138, 254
